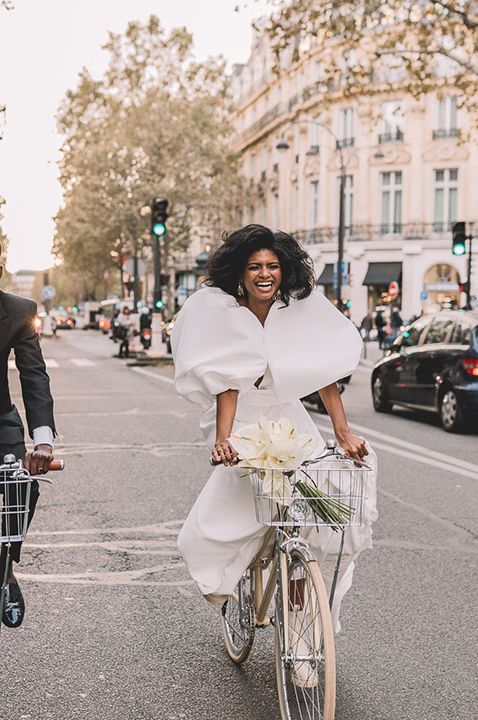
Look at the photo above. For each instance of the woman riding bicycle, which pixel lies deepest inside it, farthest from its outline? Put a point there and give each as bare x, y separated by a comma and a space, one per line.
251, 343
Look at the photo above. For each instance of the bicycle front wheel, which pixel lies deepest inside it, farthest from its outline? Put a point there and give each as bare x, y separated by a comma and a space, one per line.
238, 621
305, 648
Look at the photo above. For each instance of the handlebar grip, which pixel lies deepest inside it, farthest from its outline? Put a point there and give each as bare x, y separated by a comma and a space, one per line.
216, 463
57, 465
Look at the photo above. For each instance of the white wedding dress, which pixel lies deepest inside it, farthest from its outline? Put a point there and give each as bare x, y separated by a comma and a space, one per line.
219, 345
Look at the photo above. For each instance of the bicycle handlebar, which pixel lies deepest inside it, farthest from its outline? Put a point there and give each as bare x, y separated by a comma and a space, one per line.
330, 452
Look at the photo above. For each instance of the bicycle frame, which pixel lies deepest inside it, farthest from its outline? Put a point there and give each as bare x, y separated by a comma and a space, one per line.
274, 554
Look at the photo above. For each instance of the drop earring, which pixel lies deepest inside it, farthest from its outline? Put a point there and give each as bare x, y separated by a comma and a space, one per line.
240, 289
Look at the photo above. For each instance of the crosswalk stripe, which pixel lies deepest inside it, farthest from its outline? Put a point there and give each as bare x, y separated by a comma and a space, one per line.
51, 363
82, 362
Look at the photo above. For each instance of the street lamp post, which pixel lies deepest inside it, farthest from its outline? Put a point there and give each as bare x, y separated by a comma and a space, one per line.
282, 145
341, 233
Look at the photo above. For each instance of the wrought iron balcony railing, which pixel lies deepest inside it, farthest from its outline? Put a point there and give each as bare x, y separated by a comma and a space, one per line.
346, 142
390, 137
394, 232
446, 133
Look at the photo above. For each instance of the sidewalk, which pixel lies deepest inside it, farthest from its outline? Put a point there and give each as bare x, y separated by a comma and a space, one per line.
371, 353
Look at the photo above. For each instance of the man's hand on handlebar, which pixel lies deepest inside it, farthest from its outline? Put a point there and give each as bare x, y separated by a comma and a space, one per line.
39, 460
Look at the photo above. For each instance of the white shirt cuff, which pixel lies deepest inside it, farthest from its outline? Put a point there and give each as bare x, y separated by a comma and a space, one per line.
43, 436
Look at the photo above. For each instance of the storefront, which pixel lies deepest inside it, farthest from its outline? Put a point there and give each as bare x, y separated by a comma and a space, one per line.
326, 280
441, 288
377, 279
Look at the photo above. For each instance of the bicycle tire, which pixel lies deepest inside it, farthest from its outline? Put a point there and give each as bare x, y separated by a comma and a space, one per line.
299, 696
238, 620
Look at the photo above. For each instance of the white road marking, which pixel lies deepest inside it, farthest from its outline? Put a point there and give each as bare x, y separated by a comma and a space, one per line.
421, 454
82, 362
151, 374
49, 362
417, 448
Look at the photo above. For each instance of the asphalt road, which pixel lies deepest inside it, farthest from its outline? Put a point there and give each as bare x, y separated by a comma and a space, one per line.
115, 628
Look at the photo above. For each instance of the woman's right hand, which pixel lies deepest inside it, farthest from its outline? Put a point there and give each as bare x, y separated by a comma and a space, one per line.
223, 452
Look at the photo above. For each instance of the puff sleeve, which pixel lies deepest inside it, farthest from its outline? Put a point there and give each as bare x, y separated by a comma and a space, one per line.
309, 344
217, 346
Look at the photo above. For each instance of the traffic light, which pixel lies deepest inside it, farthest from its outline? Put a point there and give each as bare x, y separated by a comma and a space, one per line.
459, 238
158, 302
159, 216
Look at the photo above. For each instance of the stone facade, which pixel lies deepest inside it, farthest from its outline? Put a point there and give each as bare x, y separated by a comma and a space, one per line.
410, 169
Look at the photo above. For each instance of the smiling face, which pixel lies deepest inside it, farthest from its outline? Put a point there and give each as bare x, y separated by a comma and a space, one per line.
262, 275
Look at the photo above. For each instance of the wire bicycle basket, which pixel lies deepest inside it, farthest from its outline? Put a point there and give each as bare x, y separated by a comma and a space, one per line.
15, 487
329, 491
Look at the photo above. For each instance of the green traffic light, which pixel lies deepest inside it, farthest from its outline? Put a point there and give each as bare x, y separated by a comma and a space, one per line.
159, 229
459, 248
159, 304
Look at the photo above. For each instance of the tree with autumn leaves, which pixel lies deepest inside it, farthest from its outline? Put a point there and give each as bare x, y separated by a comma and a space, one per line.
156, 124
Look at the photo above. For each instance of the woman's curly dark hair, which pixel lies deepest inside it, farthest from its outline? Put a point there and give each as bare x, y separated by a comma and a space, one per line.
226, 267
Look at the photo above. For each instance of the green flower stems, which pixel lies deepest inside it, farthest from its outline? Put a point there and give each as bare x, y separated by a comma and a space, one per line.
326, 508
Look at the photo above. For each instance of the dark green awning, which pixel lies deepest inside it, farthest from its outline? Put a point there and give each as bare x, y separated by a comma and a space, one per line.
326, 277
383, 273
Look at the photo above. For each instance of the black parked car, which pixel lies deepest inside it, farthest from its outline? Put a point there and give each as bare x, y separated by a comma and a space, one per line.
432, 365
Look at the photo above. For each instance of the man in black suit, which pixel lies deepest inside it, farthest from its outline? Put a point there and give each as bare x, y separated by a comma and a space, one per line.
17, 332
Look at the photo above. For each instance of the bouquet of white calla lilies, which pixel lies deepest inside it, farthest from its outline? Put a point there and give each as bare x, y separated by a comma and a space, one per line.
271, 445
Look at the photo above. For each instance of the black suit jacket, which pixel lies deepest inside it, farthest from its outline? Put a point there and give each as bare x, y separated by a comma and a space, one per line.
17, 332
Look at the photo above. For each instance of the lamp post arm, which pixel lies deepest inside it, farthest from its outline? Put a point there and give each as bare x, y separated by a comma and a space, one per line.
317, 123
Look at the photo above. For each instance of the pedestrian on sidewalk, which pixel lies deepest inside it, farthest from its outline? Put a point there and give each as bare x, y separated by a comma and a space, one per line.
125, 331
380, 324
396, 322
17, 333
366, 326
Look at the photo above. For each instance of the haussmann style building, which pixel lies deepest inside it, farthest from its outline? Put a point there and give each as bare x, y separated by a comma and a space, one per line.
409, 174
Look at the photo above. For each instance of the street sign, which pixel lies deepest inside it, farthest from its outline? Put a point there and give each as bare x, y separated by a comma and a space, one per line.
128, 267
48, 292
393, 290
345, 276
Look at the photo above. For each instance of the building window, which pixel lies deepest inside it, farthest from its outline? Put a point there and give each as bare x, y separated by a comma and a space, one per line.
392, 122
391, 218
346, 127
275, 211
349, 203
313, 204
446, 199
252, 167
296, 206
318, 75
447, 118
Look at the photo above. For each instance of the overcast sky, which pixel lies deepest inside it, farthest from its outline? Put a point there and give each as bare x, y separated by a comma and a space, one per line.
43, 46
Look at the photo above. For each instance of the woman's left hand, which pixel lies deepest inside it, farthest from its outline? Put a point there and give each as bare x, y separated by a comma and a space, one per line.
353, 445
